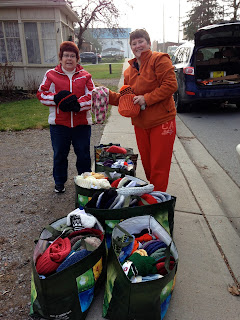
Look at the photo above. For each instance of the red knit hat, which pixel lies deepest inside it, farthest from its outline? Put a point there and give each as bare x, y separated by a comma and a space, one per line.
161, 265
147, 197
52, 257
87, 231
116, 149
115, 183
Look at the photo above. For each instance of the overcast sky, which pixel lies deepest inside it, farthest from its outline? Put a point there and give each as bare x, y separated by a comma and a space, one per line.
159, 17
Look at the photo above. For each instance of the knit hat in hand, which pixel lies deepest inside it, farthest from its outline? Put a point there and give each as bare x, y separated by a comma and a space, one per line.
66, 101
127, 108
50, 260
144, 265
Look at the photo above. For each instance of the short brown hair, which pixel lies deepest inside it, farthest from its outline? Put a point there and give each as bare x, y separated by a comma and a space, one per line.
68, 46
139, 33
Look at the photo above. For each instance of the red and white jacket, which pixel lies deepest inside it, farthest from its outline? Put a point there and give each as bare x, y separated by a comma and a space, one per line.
81, 85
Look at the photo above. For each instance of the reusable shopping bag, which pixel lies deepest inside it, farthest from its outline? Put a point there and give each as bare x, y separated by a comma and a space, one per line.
67, 294
163, 212
84, 195
126, 300
102, 157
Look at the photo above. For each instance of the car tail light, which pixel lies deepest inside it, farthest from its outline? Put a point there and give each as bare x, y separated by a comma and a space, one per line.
190, 93
189, 71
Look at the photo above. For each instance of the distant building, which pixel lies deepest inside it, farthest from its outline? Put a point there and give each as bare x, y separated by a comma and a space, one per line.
113, 41
31, 32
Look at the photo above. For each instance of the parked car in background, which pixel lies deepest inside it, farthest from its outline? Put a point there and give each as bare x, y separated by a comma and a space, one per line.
171, 50
208, 69
90, 57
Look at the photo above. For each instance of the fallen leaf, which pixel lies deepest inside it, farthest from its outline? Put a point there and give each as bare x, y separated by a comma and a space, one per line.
234, 290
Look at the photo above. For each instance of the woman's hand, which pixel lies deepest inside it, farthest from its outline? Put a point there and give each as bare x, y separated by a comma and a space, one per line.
139, 99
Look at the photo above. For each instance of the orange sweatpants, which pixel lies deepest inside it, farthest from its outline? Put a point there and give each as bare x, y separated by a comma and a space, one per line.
156, 146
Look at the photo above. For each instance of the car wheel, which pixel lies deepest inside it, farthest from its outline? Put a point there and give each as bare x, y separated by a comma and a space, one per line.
94, 61
180, 106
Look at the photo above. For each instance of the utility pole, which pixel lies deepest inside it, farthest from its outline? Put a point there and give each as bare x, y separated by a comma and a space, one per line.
163, 30
179, 11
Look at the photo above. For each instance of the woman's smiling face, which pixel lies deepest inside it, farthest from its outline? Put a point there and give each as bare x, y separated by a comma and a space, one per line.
69, 60
139, 45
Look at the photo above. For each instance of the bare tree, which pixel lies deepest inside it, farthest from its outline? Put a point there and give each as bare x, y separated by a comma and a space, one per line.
233, 7
202, 13
98, 12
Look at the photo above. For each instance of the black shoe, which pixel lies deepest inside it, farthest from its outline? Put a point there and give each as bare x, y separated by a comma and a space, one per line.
59, 188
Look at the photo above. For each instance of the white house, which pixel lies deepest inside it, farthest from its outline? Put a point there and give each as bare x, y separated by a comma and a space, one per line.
31, 32
113, 41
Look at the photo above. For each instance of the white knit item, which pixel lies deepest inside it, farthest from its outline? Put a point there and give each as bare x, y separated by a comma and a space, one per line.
135, 191
80, 219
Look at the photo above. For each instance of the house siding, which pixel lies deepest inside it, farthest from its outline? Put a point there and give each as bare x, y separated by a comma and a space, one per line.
30, 72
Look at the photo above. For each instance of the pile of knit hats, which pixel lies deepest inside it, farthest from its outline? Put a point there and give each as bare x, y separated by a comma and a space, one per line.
92, 180
145, 257
125, 192
82, 236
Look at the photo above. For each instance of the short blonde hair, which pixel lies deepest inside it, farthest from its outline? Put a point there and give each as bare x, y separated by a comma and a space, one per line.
139, 33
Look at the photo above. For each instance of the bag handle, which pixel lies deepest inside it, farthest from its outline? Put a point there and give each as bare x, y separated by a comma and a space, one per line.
118, 241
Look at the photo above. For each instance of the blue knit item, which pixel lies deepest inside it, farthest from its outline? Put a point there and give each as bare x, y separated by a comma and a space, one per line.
152, 246
73, 258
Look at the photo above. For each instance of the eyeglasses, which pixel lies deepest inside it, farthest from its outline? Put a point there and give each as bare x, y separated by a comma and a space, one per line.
72, 56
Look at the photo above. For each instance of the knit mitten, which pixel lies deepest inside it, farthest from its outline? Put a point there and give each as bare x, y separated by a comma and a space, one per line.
66, 101
141, 265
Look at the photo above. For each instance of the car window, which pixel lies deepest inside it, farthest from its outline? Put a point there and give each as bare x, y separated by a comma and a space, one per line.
182, 55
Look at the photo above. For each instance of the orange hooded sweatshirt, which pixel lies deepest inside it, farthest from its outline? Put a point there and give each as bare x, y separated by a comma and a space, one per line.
155, 80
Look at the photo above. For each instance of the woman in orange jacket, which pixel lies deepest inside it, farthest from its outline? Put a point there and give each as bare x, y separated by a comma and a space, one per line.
151, 76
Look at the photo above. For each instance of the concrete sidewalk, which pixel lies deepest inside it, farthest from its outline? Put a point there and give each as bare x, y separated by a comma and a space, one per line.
208, 245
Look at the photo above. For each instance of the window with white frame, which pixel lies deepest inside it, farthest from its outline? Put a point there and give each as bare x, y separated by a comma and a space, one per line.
49, 42
47, 37
10, 47
32, 42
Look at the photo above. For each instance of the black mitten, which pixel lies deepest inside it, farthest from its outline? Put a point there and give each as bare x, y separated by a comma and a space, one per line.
66, 101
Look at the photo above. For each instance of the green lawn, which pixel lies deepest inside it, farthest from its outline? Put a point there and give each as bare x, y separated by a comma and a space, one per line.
102, 71
31, 114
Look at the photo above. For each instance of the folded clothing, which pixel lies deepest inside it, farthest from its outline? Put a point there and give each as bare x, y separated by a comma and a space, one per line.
52, 257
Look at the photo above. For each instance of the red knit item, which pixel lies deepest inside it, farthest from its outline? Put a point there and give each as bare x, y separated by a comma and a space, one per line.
126, 107
144, 238
115, 183
135, 246
116, 149
50, 260
161, 265
147, 197
88, 231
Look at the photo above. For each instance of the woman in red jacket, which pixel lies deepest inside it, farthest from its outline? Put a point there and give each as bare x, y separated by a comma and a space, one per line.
152, 78
67, 91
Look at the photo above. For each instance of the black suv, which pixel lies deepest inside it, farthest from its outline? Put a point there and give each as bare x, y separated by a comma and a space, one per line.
208, 69
90, 57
